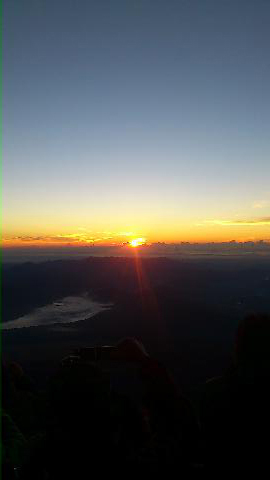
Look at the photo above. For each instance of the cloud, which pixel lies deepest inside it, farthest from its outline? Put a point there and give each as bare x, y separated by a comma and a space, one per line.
66, 238
125, 234
24, 238
77, 237
245, 223
80, 237
260, 204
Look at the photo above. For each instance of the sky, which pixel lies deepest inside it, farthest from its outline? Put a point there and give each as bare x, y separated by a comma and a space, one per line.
135, 119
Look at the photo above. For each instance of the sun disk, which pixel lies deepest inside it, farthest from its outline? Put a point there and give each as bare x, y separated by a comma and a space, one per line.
136, 242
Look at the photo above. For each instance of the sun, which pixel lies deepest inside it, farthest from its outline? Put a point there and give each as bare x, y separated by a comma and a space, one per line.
136, 242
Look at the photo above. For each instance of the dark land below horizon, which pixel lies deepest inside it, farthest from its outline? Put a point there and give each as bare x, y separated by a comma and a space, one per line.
185, 311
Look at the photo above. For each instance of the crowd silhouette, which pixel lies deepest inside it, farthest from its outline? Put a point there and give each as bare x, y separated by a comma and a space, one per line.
81, 423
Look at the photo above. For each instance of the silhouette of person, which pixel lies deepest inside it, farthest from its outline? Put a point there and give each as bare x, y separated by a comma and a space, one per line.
171, 420
235, 412
95, 426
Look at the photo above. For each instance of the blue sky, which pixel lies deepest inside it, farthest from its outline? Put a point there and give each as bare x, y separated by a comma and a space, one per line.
145, 115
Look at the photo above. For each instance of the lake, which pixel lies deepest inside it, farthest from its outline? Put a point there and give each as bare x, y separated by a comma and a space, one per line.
66, 310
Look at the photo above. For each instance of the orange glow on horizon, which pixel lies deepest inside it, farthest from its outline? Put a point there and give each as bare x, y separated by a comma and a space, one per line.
136, 235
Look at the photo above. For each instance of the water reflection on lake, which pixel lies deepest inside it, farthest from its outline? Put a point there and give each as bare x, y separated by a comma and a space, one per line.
65, 310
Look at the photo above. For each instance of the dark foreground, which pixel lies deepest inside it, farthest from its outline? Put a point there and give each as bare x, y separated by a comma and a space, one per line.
62, 420
90, 414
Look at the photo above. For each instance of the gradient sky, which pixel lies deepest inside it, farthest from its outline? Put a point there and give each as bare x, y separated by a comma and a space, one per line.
131, 118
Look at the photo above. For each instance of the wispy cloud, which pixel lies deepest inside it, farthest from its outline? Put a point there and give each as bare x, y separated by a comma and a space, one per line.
81, 237
260, 204
125, 234
252, 222
58, 239
77, 237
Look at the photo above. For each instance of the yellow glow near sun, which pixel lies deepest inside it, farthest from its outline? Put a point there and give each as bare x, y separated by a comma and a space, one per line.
136, 242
